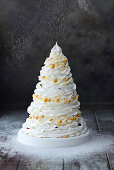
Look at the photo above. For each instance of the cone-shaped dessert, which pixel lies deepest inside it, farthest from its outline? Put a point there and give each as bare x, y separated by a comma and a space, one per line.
54, 112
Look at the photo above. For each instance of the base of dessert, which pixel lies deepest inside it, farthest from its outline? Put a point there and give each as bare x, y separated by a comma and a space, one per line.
52, 142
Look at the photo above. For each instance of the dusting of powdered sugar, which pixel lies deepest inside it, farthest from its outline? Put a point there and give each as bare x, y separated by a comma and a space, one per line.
9, 144
97, 143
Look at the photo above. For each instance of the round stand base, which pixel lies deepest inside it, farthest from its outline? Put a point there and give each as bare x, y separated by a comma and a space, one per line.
52, 142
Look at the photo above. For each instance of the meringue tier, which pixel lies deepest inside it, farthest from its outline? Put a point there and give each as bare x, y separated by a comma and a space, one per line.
45, 129
56, 68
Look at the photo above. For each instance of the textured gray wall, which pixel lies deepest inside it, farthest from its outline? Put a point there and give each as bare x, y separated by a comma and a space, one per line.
83, 28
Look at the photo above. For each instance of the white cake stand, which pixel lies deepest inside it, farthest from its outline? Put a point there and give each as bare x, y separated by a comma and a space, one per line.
52, 142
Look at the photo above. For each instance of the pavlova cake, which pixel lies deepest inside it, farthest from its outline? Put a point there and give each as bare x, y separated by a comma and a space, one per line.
55, 109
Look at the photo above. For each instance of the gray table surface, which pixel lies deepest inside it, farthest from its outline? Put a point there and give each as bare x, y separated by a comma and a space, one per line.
99, 120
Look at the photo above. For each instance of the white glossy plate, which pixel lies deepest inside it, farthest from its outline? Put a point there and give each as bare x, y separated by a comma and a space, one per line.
52, 142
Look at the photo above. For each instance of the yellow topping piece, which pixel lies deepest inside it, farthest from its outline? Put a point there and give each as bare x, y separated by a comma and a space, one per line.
64, 60
63, 66
57, 100
68, 101
45, 100
67, 79
43, 77
54, 80
42, 116
65, 136
36, 95
33, 116
50, 119
78, 115
73, 98
52, 66
57, 65
36, 117
48, 100
30, 117
74, 118
59, 121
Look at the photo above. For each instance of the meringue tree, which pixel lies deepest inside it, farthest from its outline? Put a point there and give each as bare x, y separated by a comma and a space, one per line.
54, 111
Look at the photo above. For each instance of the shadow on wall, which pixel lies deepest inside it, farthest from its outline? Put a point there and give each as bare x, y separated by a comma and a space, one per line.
84, 30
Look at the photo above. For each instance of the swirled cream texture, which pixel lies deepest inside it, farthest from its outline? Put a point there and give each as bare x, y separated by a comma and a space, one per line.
54, 112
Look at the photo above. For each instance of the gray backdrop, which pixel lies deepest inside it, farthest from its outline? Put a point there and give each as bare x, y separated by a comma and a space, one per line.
83, 28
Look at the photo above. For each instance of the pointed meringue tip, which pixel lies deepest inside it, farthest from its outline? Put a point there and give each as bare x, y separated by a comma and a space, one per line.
56, 49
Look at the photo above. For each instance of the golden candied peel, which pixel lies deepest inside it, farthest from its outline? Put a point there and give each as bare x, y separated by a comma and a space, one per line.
57, 100
50, 119
78, 115
65, 60
36, 117
48, 100
54, 80
52, 66
45, 100
67, 79
41, 116
33, 116
43, 77
59, 121
65, 136
68, 101
74, 97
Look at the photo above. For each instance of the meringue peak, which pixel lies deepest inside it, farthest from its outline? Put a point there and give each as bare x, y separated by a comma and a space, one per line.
56, 49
